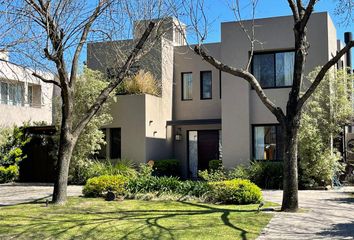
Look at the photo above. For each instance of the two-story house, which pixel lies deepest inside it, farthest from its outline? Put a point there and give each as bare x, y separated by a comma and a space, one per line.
23, 97
202, 113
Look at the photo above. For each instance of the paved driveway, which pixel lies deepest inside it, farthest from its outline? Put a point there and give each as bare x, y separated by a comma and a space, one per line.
11, 194
325, 215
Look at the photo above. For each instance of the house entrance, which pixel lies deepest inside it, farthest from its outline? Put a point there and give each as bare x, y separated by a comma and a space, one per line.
203, 146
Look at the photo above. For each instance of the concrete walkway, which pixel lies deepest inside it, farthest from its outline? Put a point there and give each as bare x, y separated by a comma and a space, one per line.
324, 215
17, 193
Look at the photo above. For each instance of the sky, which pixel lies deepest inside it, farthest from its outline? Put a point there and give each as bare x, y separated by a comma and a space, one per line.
218, 11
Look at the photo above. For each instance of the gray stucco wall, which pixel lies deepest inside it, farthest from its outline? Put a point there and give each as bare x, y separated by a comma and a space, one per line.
186, 61
240, 105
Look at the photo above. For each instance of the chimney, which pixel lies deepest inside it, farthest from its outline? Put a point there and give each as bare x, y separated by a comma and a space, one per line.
347, 38
4, 55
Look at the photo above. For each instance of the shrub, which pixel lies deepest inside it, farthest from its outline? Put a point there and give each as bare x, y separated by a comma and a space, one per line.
8, 174
215, 164
267, 175
168, 167
12, 141
98, 186
142, 82
213, 175
153, 184
236, 191
240, 171
89, 169
193, 188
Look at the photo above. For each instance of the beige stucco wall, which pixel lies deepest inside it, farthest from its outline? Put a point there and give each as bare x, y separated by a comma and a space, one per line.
142, 118
128, 113
186, 61
42, 97
240, 105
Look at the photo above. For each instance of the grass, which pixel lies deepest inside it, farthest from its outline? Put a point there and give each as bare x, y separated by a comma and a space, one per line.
88, 218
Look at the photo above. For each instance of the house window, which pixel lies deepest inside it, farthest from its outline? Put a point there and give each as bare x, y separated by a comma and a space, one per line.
115, 143
4, 92
30, 95
274, 69
187, 86
267, 142
205, 85
11, 94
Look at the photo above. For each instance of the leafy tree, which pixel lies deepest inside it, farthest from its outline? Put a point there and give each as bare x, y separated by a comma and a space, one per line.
89, 84
323, 118
12, 141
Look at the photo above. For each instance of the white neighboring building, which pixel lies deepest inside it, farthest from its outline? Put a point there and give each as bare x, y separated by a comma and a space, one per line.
23, 97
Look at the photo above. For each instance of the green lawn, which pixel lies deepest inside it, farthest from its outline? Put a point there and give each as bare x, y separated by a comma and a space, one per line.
85, 218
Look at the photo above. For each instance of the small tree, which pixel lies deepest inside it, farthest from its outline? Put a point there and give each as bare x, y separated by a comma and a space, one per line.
89, 84
323, 118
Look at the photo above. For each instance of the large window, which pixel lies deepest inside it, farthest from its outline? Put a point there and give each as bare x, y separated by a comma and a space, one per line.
205, 85
11, 93
187, 86
267, 142
274, 69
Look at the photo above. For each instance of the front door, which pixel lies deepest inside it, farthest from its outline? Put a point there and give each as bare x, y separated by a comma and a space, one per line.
208, 148
203, 146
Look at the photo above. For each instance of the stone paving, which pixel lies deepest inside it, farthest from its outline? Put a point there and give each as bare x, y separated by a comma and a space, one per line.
16, 193
323, 215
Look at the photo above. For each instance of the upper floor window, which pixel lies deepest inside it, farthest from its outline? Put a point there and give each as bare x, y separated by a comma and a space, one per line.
205, 85
187, 86
267, 142
11, 93
274, 69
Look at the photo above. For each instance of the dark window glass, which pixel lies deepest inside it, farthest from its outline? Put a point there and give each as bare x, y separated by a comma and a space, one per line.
263, 69
274, 69
187, 86
115, 143
206, 85
267, 142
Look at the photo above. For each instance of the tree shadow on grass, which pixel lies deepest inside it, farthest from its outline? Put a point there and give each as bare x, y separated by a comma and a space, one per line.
122, 224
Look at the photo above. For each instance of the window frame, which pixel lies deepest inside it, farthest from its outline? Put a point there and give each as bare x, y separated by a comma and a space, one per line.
182, 86
201, 85
274, 52
277, 126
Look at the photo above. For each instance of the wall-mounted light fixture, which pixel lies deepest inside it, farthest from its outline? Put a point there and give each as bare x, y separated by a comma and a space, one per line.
178, 136
150, 122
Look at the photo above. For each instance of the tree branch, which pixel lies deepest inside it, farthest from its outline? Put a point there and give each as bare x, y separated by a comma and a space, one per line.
277, 111
309, 9
294, 10
120, 76
46, 80
322, 73
98, 10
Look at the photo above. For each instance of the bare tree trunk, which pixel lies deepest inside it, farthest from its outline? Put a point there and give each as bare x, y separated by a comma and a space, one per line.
67, 143
290, 169
65, 152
